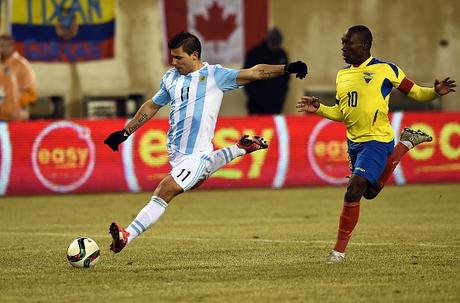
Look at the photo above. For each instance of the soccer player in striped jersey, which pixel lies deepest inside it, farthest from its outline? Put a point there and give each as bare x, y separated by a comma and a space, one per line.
363, 92
194, 90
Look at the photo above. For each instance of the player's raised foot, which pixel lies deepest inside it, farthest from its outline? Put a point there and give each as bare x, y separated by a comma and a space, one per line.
414, 136
119, 237
252, 143
335, 257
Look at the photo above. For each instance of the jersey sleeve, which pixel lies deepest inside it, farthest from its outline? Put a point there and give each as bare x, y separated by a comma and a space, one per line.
330, 112
162, 96
226, 78
410, 88
395, 75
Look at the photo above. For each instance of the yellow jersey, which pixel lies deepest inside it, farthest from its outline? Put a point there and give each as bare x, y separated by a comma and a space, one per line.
362, 97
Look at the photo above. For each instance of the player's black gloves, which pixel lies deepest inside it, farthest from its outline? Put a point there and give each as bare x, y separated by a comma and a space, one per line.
115, 138
298, 68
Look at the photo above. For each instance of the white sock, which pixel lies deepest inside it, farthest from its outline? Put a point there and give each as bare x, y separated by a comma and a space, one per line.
223, 156
408, 144
146, 217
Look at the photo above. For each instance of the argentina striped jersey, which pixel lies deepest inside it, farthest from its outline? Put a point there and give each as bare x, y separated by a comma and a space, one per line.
195, 103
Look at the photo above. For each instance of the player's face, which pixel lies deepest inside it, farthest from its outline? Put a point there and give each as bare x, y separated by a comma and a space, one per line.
184, 62
353, 48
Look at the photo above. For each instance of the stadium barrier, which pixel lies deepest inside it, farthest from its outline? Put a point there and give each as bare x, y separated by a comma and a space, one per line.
68, 156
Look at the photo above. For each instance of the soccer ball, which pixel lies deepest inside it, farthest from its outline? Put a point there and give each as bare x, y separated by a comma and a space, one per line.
83, 252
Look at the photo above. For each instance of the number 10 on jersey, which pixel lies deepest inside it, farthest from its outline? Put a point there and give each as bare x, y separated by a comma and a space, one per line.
352, 98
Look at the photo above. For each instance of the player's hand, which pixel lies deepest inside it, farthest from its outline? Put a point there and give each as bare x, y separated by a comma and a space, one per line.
308, 104
298, 68
444, 87
115, 138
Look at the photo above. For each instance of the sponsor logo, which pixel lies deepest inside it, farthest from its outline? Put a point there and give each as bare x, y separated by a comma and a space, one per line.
63, 165
328, 156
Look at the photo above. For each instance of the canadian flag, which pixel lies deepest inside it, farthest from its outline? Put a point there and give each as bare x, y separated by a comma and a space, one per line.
226, 29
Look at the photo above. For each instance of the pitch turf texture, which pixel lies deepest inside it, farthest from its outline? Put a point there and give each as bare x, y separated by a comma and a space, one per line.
236, 246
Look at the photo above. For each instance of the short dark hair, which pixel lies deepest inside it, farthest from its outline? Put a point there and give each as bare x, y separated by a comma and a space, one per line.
189, 42
364, 32
8, 38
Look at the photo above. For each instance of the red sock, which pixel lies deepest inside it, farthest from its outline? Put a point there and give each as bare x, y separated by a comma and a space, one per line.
392, 161
348, 220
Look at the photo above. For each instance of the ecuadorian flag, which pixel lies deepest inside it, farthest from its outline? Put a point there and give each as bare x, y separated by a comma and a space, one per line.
64, 30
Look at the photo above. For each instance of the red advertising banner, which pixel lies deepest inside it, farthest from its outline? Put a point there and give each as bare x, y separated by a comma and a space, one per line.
65, 156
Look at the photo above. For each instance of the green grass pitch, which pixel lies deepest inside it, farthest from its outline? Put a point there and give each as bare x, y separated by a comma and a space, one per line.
236, 246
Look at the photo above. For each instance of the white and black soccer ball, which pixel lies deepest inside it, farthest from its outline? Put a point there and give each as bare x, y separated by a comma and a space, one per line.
83, 252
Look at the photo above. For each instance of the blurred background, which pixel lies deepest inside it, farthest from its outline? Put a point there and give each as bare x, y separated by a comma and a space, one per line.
100, 59
423, 39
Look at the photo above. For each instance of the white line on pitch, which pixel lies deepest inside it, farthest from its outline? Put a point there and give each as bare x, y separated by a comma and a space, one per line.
97, 236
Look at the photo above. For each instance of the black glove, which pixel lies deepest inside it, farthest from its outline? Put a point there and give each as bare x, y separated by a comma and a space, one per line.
298, 68
115, 138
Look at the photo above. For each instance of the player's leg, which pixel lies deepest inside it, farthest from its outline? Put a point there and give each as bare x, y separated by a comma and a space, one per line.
408, 139
247, 144
149, 215
223, 156
371, 192
367, 161
186, 171
348, 217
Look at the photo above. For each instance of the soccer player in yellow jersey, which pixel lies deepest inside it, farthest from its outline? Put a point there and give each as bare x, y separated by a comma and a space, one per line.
363, 92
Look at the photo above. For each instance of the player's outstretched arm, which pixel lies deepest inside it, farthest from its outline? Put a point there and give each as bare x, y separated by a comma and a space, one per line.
309, 104
267, 71
426, 94
145, 113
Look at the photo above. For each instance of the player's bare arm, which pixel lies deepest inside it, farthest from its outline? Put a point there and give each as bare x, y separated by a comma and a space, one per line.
259, 72
267, 71
145, 112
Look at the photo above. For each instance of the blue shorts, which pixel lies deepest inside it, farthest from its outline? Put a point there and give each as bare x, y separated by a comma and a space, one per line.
368, 159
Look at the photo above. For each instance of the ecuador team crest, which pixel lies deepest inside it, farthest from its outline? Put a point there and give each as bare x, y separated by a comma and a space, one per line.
368, 76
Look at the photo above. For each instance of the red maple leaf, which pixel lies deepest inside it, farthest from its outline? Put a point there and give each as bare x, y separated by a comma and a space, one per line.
216, 27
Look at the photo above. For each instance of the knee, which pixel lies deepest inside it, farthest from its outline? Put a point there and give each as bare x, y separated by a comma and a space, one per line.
371, 193
352, 194
355, 189
168, 189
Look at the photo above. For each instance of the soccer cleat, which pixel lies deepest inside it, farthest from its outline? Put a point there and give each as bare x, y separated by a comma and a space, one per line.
414, 136
251, 144
119, 237
335, 257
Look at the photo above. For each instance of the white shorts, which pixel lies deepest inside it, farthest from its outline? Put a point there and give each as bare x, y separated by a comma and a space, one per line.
188, 170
